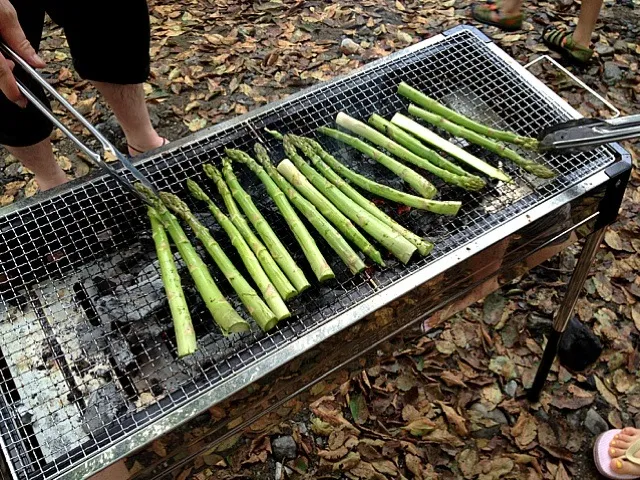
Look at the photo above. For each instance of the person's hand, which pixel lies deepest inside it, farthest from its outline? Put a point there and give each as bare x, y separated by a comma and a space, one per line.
12, 34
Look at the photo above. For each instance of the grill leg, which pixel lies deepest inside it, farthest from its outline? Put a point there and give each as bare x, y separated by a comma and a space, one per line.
561, 320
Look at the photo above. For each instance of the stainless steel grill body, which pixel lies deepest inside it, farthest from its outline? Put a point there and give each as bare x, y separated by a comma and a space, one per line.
88, 367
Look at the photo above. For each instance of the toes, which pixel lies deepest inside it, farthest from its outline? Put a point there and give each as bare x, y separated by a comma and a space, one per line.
619, 465
618, 443
633, 432
617, 452
624, 438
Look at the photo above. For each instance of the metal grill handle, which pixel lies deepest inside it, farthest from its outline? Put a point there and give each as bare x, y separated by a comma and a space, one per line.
612, 107
106, 144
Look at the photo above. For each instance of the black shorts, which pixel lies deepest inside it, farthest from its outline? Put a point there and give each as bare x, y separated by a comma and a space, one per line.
109, 42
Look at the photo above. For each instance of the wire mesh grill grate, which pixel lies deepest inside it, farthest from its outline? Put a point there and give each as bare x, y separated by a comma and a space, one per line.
88, 352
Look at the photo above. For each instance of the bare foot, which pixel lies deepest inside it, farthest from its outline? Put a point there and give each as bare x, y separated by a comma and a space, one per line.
52, 181
137, 149
617, 449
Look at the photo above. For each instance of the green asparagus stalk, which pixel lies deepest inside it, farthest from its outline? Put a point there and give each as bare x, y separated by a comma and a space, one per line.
428, 136
364, 130
185, 335
416, 146
418, 182
277, 250
384, 191
454, 129
321, 224
258, 310
423, 246
319, 265
277, 135
268, 290
432, 105
328, 210
314, 184
223, 313
270, 267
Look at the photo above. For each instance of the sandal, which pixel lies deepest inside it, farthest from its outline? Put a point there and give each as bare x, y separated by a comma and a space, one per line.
603, 459
138, 151
489, 14
561, 41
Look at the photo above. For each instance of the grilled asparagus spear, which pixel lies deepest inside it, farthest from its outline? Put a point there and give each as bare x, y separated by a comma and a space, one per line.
437, 141
393, 241
268, 290
417, 181
319, 265
423, 246
185, 335
321, 224
422, 100
223, 313
258, 310
276, 248
270, 267
384, 191
530, 166
364, 130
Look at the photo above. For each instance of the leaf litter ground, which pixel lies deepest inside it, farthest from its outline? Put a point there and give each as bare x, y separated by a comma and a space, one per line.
447, 403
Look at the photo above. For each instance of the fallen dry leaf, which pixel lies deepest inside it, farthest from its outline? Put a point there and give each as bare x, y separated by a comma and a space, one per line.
420, 427
606, 393
414, 464
457, 421
347, 463
467, 462
525, 430
359, 409
333, 455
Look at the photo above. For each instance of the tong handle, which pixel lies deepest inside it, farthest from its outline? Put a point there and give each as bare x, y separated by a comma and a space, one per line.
106, 144
626, 121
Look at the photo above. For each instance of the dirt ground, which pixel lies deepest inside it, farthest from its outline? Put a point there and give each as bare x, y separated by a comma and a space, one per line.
215, 60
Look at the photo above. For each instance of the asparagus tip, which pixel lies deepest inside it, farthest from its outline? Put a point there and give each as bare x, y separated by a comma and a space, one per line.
277, 135
196, 190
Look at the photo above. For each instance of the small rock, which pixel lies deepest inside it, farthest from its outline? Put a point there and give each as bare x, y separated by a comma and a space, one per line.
496, 415
604, 50
539, 325
579, 346
595, 423
612, 73
620, 46
573, 419
510, 388
349, 47
13, 170
284, 447
302, 427
278, 473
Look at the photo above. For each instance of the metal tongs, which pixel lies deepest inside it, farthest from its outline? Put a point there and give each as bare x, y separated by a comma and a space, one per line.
587, 133
107, 146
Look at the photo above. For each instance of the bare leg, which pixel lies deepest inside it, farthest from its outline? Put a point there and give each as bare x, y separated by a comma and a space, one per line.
589, 12
128, 103
40, 160
511, 7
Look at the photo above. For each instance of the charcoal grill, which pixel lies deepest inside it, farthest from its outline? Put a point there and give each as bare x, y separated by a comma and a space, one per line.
88, 369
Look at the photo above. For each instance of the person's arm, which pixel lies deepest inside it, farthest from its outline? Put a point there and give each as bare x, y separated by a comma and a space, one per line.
11, 33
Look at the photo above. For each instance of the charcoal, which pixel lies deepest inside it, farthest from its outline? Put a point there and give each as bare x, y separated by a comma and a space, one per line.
579, 347
121, 352
92, 339
102, 407
133, 303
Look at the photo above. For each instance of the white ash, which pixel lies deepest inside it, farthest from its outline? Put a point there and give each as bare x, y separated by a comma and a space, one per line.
102, 407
